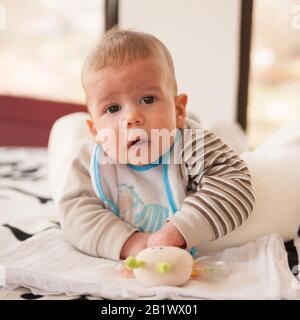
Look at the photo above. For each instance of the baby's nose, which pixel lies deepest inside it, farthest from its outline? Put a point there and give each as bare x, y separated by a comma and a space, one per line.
134, 118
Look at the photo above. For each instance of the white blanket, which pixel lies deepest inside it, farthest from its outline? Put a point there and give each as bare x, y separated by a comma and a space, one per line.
46, 264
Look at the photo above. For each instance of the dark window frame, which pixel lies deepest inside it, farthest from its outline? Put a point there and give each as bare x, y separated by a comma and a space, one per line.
244, 62
111, 14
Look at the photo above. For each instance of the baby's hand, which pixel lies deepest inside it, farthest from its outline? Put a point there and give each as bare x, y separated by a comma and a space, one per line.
168, 235
134, 244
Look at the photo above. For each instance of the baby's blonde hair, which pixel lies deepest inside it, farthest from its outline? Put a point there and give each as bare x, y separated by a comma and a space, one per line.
118, 47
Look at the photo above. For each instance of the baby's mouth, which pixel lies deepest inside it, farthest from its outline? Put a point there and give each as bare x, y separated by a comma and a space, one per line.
137, 142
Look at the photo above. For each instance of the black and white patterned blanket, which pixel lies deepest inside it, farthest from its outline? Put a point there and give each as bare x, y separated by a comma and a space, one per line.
26, 206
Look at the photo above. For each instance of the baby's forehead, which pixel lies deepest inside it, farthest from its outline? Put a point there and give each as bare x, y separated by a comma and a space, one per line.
142, 77
153, 62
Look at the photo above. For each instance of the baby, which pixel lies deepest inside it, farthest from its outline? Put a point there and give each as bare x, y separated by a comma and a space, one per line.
144, 181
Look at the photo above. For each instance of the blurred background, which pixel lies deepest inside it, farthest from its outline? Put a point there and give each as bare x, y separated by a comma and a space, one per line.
274, 86
238, 60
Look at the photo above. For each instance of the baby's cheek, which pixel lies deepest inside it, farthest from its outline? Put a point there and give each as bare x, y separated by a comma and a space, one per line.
165, 144
108, 143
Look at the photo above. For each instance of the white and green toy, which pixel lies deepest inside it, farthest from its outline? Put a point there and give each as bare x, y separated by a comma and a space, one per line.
171, 266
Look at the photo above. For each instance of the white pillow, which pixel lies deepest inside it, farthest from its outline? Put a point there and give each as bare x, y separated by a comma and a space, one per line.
232, 134
67, 135
275, 171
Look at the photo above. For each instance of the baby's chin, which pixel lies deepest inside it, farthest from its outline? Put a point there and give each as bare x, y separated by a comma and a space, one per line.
143, 162
139, 157
148, 153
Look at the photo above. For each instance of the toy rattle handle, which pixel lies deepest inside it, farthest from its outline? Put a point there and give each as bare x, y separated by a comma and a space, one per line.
209, 268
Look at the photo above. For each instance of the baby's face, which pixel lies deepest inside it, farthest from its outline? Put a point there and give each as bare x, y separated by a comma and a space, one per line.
129, 102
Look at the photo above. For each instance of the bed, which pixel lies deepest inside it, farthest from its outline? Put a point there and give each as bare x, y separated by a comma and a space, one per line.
26, 206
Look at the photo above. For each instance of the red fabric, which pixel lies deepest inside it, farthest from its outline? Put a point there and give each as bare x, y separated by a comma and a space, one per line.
27, 122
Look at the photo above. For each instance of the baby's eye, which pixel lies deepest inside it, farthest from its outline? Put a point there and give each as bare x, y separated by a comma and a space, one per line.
148, 100
113, 109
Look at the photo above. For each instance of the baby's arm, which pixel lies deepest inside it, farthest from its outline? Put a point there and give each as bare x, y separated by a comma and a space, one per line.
168, 235
86, 223
220, 197
134, 244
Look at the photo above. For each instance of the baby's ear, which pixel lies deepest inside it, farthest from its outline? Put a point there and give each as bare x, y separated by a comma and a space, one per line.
91, 127
181, 102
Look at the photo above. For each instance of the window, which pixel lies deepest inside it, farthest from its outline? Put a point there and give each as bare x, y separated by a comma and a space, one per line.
274, 88
43, 46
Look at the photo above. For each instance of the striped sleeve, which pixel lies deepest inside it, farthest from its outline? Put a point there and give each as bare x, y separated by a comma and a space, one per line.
220, 196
